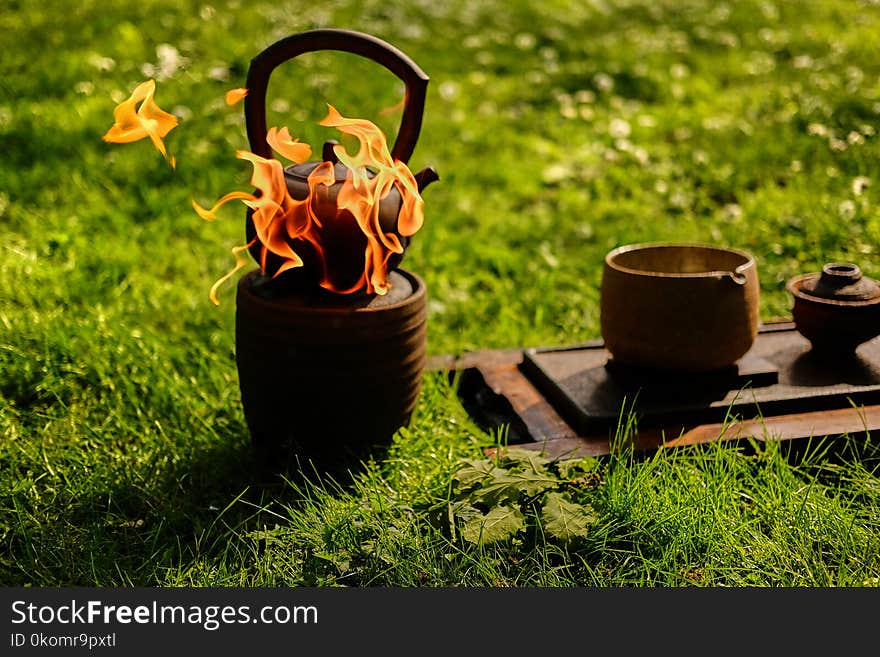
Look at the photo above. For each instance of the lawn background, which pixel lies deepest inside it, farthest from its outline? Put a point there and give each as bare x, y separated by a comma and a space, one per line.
560, 130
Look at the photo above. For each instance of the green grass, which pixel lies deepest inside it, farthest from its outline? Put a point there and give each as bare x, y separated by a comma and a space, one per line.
560, 131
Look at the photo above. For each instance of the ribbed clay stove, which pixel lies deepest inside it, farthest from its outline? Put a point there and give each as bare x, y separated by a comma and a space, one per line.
325, 377
330, 354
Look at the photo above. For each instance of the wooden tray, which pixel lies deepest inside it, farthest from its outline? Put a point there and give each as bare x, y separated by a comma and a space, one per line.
568, 401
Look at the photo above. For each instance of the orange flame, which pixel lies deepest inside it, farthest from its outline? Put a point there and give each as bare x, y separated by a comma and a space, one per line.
149, 120
235, 95
292, 149
374, 153
286, 227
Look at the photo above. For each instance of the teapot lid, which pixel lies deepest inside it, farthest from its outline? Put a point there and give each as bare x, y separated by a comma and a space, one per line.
302, 171
841, 281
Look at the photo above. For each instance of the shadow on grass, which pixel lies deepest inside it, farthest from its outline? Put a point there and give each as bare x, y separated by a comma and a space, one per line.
140, 526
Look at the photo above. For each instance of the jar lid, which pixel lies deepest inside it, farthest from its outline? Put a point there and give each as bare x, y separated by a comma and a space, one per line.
841, 281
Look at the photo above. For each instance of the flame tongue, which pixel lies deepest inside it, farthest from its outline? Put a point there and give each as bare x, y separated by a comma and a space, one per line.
341, 239
292, 149
149, 120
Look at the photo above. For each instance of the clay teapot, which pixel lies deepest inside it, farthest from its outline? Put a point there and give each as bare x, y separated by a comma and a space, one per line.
347, 243
679, 307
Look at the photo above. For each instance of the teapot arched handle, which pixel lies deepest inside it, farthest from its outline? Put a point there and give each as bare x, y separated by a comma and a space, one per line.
349, 41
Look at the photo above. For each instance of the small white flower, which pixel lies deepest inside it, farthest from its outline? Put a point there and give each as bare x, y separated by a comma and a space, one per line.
536, 78
448, 90
619, 129
732, 211
728, 39
525, 41
679, 71
556, 173
855, 74
715, 123
548, 256
101, 63
280, 105
487, 108
585, 231
169, 61
219, 73
859, 184
548, 54
682, 133
182, 112
478, 78
585, 96
603, 81
413, 31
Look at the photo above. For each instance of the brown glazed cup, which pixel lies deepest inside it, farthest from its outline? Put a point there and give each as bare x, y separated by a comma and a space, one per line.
679, 307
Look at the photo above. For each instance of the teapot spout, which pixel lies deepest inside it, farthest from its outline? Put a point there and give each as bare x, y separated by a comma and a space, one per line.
425, 177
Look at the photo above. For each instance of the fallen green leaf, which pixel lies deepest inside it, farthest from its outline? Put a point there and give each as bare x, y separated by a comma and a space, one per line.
525, 459
500, 524
572, 468
473, 471
506, 486
565, 520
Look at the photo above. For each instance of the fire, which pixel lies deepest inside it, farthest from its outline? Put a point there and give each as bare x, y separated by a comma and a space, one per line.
149, 120
288, 228
292, 149
235, 95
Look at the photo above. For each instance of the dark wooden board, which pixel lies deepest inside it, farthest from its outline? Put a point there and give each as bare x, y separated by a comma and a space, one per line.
815, 398
591, 395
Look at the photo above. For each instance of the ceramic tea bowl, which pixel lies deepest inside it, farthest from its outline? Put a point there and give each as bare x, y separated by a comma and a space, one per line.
679, 307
